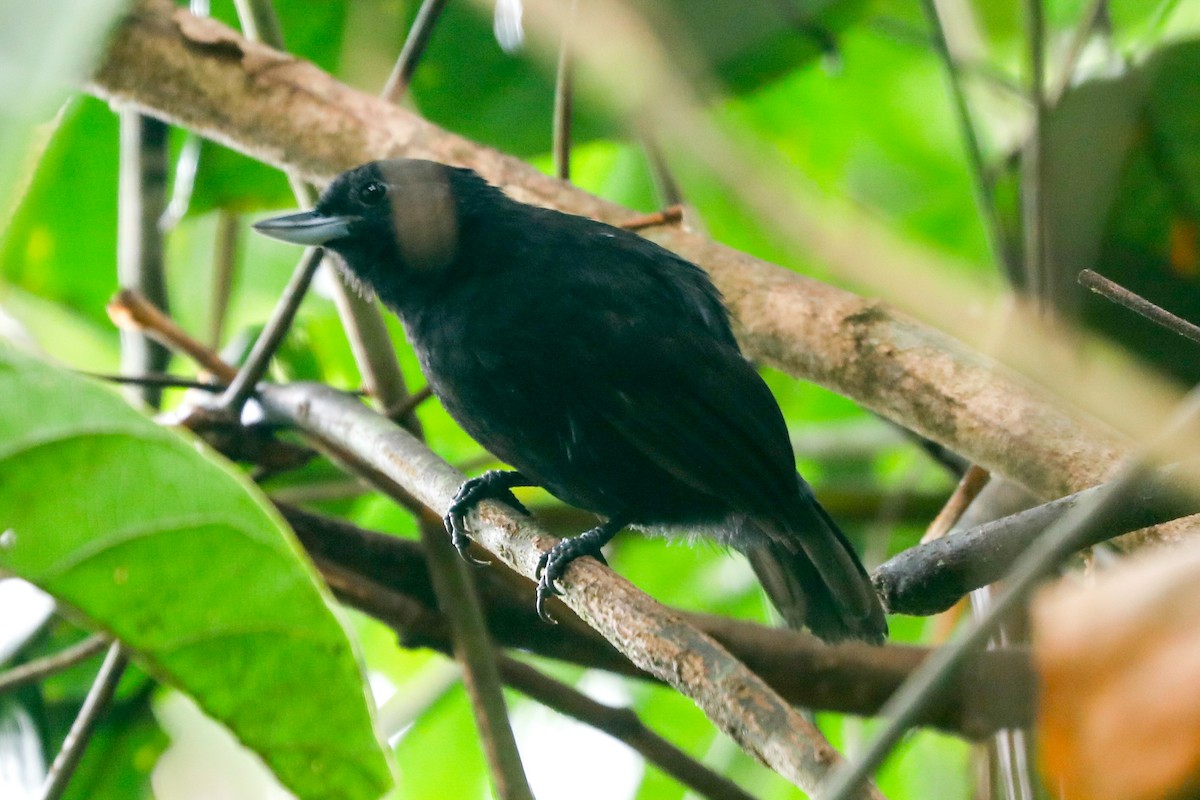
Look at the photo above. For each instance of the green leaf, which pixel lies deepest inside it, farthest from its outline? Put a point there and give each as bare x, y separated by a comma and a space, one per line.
436, 759
467, 84
146, 534
234, 182
62, 243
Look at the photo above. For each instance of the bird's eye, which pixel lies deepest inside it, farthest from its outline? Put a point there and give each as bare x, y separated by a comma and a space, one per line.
372, 194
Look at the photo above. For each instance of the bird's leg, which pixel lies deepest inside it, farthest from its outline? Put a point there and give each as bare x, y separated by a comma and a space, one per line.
492, 485
554, 562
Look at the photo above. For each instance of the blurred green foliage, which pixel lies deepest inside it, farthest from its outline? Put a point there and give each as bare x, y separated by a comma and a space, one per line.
145, 507
873, 124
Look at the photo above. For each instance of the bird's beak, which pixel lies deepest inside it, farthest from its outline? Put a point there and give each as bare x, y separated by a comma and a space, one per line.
308, 228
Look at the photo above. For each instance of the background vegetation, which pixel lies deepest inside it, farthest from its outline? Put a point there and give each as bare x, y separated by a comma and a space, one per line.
855, 97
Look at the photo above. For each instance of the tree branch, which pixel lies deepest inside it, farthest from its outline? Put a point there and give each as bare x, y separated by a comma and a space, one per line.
104, 688
142, 198
931, 577
408, 615
1037, 563
286, 112
996, 690
623, 725
55, 662
654, 638
1111, 290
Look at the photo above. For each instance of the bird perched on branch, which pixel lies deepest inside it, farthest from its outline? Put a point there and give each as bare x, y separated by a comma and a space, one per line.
600, 366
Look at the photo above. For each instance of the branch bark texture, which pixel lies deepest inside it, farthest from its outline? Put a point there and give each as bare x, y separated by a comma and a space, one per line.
931, 577
995, 690
653, 637
201, 75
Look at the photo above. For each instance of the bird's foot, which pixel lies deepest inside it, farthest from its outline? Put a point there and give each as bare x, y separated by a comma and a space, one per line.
492, 485
554, 562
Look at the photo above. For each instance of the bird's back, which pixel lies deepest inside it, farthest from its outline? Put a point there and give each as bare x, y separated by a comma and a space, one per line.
608, 373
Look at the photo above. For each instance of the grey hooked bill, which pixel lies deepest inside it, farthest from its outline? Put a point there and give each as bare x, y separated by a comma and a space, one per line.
310, 228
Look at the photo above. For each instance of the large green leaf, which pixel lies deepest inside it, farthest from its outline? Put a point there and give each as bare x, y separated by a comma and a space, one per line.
146, 534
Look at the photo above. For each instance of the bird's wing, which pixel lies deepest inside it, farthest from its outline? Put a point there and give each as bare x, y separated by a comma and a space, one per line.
695, 407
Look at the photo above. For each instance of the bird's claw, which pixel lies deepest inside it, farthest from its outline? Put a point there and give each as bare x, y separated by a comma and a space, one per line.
553, 564
456, 525
484, 487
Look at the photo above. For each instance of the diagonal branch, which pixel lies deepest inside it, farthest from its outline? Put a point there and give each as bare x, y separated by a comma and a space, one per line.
406, 615
653, 637
933, 576
286, 112
997, 689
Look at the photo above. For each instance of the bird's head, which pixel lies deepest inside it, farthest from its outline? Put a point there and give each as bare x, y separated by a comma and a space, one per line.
395, 223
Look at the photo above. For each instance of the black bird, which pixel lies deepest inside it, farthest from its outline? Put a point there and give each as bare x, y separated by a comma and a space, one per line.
599, 365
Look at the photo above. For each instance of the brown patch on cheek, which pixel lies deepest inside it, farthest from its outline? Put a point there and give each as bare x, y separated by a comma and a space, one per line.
426, 224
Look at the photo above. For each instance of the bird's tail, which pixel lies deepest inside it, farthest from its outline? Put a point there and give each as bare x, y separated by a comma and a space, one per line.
809, 570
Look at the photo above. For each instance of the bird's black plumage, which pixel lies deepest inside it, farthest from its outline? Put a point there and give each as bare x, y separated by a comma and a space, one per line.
600, 366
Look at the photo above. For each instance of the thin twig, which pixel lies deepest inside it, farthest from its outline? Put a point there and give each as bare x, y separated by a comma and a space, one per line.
160, 380
1011, 749
904, 31
259, 21
130, 310
242, 386
405, 410
55, 662
1062, 539
946, 458
1138, 304
623, 725
225, 258
94, 705
474, 650
374, 354
985, 195
1038, 281
667, 216
1083, 32
969, 486
237, 442
142, 197
931, 577
670, 195
414, 47
564, 89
